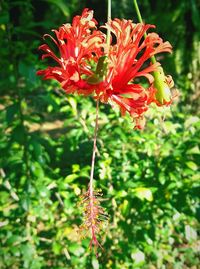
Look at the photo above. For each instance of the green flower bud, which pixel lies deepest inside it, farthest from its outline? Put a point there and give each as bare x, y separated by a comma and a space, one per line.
161, 84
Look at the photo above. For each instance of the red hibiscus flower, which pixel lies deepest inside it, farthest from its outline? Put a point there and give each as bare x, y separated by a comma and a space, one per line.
78, 44
86, 66
128, 60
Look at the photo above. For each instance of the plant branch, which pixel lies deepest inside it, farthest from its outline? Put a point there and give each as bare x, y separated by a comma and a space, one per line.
153, 58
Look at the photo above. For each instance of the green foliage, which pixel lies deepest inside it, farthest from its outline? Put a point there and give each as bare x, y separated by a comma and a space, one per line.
149, 178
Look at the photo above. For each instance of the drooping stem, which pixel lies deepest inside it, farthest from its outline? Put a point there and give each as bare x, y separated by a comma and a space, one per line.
94, 151
92, 214
153, 58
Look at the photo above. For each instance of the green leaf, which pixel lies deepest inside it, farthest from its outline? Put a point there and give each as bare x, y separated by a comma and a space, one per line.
75, 168
95, 263
70, 178
57, 248
73, 104
138, 257
19, 134
4, 17
144, 193
192, 165
11, 111
194, 150
76, 249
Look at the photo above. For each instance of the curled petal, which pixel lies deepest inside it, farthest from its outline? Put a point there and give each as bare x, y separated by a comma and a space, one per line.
130, 59
78, 44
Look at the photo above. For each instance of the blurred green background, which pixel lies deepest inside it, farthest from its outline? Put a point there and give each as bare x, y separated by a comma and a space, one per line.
149, 178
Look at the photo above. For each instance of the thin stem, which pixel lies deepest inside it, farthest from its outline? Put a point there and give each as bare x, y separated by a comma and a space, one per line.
138, 11
91, 194
94, 151
108, 19
153, 58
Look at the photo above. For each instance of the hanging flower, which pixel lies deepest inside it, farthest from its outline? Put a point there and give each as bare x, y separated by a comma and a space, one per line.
128, 60
86, 66
110, 72
80, 46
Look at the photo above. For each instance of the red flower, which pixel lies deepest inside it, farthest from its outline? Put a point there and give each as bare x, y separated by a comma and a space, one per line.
128, 60
78, 44
87, 66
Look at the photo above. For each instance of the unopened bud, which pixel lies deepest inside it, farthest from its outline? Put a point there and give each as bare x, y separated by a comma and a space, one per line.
162, 85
